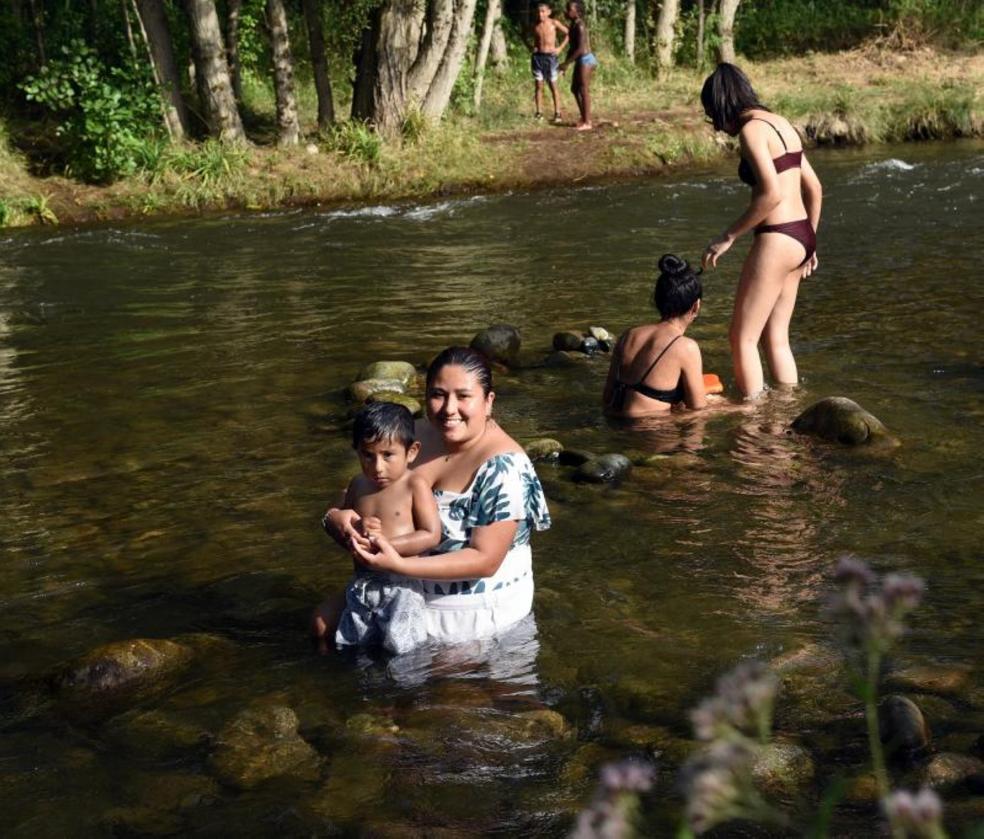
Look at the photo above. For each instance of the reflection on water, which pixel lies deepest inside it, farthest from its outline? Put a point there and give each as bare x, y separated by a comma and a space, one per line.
173, 423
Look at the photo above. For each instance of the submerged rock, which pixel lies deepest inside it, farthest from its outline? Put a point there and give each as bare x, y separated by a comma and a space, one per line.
569, 340
783, 768
948, 770
902, 726
543, 448
123, 666
499, 343
603, 469
946, 681
842, 420
361, 390
401, 371
574, 457
565, 358
261, 743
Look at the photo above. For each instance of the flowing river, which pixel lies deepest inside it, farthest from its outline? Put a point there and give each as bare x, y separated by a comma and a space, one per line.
173, 424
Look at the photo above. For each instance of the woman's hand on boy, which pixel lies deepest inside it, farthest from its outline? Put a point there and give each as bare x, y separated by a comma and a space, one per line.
376, 554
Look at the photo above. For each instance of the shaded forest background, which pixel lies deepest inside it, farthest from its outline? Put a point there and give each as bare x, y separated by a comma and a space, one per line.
101, 89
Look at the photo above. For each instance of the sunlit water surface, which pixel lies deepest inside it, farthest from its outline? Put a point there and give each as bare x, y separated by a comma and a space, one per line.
172, 425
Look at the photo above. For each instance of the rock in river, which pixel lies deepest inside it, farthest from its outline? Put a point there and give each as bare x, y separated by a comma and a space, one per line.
782, 768
260, 743
842, 420
408, 402
565, 358
603, 469
401, 371
568, 341
123, 666
543, 448
901, 726
361, 390
948, 770
498, 343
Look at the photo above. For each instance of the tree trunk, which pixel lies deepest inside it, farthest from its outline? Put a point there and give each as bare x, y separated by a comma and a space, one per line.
665, 25
288, 127
157, 36
726, 29
128, 27
439, 94
212, 72
233, 8
499, 54
630, 28
322, 84
365, 61
700, 34
492, 14
37, 21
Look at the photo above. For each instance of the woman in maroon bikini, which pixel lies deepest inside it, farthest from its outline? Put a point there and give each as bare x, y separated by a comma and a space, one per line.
783, 214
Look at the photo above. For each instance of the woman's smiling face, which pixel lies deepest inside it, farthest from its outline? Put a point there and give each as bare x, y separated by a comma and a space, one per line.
456, 404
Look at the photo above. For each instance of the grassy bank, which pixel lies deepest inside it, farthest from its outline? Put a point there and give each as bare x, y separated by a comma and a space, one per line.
860, 96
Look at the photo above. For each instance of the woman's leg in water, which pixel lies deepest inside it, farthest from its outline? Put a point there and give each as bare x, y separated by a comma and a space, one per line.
763, 277
775, 338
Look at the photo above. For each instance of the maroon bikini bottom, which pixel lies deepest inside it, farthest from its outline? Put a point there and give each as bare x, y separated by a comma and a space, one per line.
802, 231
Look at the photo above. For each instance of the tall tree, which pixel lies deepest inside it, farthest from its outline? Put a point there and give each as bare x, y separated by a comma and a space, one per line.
212, 72
288, 126
322, 83
726, 30
701, 16
157, 36
665, 27
410, 59
630, 28
499, 53
37, 21
492, 13
233, 11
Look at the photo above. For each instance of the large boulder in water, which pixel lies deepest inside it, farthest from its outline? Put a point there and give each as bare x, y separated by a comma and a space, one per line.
261, 743
401, 371
408, 402
842, 420
902, 727
499, 343
123, 666
361, 390
783, 768
603, 469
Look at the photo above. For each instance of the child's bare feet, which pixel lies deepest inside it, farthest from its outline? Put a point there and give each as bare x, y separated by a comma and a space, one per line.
583, 126
557, 118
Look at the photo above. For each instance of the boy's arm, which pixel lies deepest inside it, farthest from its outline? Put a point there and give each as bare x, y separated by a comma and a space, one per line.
339, 522
563, 29
426, 521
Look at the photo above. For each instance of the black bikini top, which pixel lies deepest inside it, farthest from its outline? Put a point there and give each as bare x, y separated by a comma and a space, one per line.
789, 160
621, 389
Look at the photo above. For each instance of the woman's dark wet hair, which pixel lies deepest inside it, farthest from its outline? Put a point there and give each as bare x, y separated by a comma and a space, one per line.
726, 94
471, 360
383, 421
677, 288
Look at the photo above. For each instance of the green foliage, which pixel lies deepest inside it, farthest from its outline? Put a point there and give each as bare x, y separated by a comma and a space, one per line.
952, 22
206, 164
356, 141
37, 206
105, 115
6, 213
414, 127
782, 27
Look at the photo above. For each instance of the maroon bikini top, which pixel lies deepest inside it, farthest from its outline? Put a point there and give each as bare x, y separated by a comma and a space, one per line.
789, 160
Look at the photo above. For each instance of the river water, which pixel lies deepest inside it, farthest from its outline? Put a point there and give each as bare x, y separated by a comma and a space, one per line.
172, 425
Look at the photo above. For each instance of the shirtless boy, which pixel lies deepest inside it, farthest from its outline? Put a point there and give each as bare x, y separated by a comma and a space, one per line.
389, 500
584, 62
544, 59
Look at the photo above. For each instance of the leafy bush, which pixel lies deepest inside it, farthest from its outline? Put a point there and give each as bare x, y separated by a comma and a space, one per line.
105, 115
356, 141
6, 213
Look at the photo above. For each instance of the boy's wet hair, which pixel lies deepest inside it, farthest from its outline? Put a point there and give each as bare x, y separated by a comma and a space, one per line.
383, 421
677, 288
471, 360
726, 94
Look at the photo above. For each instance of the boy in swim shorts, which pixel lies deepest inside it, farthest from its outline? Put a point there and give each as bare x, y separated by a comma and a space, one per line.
584, 62
392, 501
543, 61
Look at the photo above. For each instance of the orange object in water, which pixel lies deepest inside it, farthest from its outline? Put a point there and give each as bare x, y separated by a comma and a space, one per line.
712, 384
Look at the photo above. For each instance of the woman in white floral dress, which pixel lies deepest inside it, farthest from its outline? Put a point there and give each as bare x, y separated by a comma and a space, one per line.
479, 582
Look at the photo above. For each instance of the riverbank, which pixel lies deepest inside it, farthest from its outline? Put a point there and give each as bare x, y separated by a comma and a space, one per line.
867, 95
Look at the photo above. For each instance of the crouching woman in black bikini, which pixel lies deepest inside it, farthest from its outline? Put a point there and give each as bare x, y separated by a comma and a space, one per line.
784, 214
654, 367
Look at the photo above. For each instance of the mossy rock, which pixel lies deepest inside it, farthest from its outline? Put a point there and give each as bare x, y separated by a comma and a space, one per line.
408, 402
261, 743
605, 468
841, 420
783, 768
361, 390
951, 771
123, 666
499, 343
543, 448
401, 371
568, 341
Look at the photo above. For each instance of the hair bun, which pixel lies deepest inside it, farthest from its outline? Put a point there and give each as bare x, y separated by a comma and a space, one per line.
671, 265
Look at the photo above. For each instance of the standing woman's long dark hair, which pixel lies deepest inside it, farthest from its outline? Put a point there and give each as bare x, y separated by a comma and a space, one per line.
783, 214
